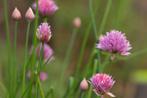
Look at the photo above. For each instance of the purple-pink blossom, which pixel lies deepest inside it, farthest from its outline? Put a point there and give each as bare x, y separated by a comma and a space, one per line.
46, 7
43, 76
47, 52
102, 83
44, 32
114, 42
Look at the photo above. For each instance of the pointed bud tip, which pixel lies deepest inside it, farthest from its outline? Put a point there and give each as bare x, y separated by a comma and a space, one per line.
84, 85
16, 15
30, 14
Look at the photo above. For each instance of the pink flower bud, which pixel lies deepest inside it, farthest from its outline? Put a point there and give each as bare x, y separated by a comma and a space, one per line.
84, 85
77, 22
16, 15
43, 76
30, 14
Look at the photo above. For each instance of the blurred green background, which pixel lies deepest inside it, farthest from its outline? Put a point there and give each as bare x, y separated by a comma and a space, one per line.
129, 16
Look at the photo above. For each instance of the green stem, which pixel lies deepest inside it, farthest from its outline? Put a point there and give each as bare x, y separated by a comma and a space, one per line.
7, 25
105, 16
89, 62
81, 94
41, 89
6, 19
26, 55
93, 18
68, 53
15, 38
36, 88
36, 24
14, 69
94, 71
82, 49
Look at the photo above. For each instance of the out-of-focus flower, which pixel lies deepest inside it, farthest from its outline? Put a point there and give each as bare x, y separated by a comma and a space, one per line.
34, 6
47, 52
84, 85
43, 76
114, 42
44, 32
46, 7
102, 83
16, 15
30, 14
77, 22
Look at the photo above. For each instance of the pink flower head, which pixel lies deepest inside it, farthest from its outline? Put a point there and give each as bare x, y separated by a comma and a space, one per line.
114, 42
44, 32
102, 83
43, 76
46, 7
47, 52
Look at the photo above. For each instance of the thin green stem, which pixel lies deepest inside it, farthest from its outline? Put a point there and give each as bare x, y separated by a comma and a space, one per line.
93, 18
89, 62
15, 38
26, 55
36, 24
14, 69
105, 16
36, 88
6, 19
81, 94
41, 89
68, 53
7, 25
94, 71
82, 49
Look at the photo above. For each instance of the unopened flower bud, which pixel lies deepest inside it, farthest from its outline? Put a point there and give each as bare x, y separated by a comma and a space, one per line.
77, 22
30, 14
16, 15
84, 85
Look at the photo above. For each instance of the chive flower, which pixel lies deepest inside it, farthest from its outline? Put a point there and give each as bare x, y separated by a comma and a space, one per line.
46, 7
47, 52
44, 32
114, 42
101, 84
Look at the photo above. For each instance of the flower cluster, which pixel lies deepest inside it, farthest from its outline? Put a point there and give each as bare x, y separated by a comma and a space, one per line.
102, 83
46, 7
44, 32
114, 42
